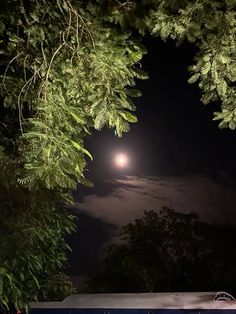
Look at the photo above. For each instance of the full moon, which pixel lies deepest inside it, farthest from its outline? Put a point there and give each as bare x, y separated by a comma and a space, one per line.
121, 160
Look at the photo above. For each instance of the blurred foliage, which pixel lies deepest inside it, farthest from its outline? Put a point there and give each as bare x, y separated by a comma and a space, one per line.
68, 67
168, 251
32, 248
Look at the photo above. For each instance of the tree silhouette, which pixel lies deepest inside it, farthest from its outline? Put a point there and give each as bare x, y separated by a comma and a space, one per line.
168, 251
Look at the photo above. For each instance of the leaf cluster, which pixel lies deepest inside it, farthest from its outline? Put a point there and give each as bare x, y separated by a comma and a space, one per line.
68, 67
71, 75
64, 72
211, 26
33, 247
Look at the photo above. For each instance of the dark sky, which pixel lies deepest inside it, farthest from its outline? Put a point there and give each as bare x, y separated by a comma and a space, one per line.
175, 132
178, 156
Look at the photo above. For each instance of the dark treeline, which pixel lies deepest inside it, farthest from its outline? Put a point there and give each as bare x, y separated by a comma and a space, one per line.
168, 251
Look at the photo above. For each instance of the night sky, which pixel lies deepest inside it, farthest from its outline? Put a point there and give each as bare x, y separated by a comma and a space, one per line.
178, 157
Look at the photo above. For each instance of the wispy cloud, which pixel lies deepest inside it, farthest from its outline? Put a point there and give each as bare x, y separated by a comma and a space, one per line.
130, 196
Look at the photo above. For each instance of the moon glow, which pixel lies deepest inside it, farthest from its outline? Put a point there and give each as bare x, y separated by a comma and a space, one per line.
121, 160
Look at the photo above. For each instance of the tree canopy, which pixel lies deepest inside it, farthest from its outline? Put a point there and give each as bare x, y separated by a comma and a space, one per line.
167, 251
68, 67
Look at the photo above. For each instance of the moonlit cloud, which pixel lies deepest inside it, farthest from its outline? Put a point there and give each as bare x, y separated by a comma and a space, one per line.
130, 196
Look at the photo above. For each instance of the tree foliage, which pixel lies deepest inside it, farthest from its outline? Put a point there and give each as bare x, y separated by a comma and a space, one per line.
68, 67
32, 249
64, 71
211, 26
167, 251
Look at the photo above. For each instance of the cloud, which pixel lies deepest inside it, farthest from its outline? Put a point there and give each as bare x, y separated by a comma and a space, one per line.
130, 196
124, 199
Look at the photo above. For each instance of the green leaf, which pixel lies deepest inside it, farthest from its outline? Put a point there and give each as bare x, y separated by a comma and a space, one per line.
133, 92
222, 88
136, 56
86, 182
100, 120
140, 73
194, 78
232, 125
206, 68
128, 116
77, 118
4, 301
81, 148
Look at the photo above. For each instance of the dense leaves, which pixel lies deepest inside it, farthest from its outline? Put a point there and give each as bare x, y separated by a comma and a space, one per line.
208, 24
211, 25
168, 251
64, 71
68, 67
32, 249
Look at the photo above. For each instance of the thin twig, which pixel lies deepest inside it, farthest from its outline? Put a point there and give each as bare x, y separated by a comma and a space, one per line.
22, 8
25, 74
20, 104
50, 64
44, 56
5, 72
83, 22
